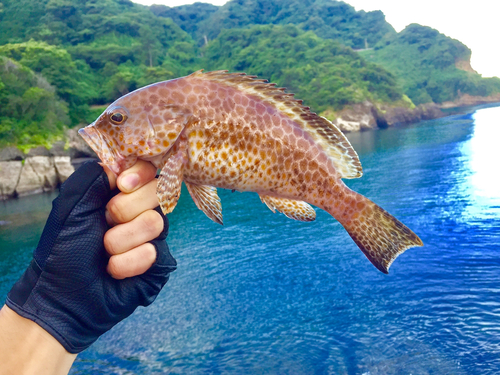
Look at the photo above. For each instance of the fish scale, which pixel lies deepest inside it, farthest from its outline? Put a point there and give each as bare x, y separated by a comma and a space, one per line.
221, 130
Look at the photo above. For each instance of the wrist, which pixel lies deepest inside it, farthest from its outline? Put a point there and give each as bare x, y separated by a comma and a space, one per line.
26, 348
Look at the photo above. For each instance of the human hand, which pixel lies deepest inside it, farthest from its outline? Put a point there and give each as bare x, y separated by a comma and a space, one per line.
73, 288
133, 221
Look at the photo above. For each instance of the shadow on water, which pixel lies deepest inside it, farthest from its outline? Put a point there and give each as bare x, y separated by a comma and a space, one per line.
267, 295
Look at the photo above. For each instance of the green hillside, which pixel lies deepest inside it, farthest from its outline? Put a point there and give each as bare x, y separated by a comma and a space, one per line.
30, 111
430, 66
90, 52
326, 74
328, 19
62, 61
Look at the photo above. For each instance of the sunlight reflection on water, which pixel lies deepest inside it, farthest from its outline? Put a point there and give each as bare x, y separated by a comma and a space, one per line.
482, 158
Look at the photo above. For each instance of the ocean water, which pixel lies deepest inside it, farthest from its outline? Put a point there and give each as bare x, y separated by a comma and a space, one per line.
266, 295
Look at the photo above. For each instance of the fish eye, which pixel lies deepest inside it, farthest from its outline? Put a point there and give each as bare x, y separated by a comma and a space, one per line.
117, 118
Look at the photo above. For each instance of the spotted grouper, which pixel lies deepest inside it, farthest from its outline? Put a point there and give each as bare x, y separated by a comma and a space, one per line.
233, 131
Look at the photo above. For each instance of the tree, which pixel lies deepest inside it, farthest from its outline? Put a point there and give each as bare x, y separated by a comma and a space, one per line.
30, 112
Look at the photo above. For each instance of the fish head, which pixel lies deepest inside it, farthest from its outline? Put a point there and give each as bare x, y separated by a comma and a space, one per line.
130, 128
107, 137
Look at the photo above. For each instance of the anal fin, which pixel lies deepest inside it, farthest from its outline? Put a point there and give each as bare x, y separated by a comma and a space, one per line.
206, 199
296, 210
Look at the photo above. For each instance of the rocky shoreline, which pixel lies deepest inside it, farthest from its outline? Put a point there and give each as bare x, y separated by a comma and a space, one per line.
367, 116
43, 169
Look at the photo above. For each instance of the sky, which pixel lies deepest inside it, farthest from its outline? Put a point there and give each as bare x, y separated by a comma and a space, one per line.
474, 22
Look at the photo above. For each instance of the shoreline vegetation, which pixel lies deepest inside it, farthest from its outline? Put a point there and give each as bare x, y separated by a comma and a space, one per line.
62, 62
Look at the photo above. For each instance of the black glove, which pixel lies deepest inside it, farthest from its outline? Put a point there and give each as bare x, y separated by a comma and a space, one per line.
66, 288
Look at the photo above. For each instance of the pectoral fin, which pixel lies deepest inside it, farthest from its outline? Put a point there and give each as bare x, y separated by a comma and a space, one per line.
169, 184
206, 199
296, 210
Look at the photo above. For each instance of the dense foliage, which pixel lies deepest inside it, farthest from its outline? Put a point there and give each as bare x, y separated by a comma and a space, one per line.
91, 52
323, 72
30, 111
328, 19
62, 61
426, 63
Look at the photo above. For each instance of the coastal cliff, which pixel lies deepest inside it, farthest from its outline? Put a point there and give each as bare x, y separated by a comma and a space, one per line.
367, 116
41, 169
22, 175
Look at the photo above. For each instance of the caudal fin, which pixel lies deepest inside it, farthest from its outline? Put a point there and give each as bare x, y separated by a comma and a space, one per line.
377, 233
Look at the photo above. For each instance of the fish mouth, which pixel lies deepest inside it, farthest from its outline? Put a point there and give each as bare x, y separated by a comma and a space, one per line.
108, 155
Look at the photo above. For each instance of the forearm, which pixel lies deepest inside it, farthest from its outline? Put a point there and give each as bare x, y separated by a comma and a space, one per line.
26, 348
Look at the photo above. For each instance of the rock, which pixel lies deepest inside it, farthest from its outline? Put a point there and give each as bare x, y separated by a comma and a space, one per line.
38, 174
347, 126
464, 64
430, 111
78, 148
29, 181
64, 168
58, 149
469, 100
9, 176
390, 116
356, 117
11, 153
39, 151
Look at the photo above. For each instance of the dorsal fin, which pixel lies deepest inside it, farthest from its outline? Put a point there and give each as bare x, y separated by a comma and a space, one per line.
324, 132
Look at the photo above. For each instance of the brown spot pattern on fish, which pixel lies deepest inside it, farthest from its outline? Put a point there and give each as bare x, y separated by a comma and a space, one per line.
236, 132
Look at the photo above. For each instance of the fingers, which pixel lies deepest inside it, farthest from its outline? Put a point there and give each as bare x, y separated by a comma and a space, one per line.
124, 237
133, 221
125, 207
138, 187
132, 263
127, 243
138, 175
131, 179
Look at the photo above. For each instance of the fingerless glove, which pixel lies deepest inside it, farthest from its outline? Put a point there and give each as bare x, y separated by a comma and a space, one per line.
66, 288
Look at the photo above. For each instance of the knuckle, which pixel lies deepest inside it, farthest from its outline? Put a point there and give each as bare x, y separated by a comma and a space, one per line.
150, 254
153, 221
117, 209
110, 242
115, 268
147, 257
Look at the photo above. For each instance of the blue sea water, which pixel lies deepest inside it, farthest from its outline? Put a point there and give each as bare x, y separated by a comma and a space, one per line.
266, 295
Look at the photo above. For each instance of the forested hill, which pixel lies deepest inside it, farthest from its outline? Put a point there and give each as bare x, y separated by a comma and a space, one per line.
61, 61
430, 66
326, 18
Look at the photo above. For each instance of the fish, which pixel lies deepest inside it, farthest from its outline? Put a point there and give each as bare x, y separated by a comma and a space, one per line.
234, 131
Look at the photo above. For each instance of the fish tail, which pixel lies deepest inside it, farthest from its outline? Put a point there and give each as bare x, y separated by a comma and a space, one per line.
379, 235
